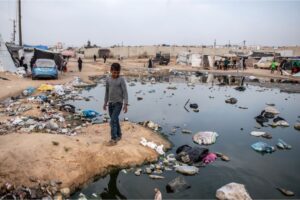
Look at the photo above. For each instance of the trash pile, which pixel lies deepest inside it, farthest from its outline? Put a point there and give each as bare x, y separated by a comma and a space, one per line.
43, 109
48, 190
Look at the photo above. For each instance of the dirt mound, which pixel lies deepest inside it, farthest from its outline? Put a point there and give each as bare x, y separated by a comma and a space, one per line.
74, 160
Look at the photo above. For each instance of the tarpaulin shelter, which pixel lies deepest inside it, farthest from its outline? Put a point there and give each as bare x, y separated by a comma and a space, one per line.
6, 61
68, 53
40, 47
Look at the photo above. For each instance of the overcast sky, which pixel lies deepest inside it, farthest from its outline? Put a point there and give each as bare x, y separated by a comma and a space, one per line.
147, 22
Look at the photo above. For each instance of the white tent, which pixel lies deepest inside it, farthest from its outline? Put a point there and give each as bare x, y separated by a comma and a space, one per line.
6, 62
195, 59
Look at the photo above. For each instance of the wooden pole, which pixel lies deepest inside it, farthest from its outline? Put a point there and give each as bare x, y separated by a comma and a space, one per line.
20, 23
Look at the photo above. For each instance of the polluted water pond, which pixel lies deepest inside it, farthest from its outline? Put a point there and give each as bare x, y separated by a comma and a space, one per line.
241, 164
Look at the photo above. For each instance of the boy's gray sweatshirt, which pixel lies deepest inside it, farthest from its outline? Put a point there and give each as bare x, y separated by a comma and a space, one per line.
116, 90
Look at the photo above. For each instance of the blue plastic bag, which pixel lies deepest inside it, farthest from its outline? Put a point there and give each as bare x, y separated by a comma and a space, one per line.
263, 147
90, 113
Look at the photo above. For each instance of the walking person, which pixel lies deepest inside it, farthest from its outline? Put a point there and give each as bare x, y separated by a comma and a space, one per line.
95, 58
79, 64
104, 58
273, 66
116, 97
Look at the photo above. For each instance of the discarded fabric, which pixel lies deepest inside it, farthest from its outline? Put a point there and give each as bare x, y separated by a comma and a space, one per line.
283, 145
205, 137
190, 155
45, 87
187, 170
231, 101
178, 184
232, 191
209, 158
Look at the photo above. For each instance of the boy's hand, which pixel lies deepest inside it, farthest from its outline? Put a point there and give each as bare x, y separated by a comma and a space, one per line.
104, 106
125, 109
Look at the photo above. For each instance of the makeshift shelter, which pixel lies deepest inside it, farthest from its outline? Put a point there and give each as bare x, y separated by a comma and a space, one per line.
195, 60
40, 47
68, 53
183, 58
6, 61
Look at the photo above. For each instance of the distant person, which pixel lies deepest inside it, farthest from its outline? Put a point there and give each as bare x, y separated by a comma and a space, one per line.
104, 58
95, 58
79, 64
22, 64
226, 63
273, 66
244, 64
116, 97
282, 66
150, 63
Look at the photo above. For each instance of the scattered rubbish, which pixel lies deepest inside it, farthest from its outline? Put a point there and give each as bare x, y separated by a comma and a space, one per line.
263, 147
158, 195
152, 145
138, 172
261, 134
178, 184
270, 104
150, 125
242, 107
45, 87
187, 170
196, 110
151, 91
156, 176
82, 197
190, 155
139, 98
271, 109
205, 137
232, 191
223, 157
286, 192
240, 88
131, 84
194, 105
261, 119
171, 87
297, 126
186, 131
279, 121
283, 145
68, 108
231, 101
28, 91
209, 158
186, 104
89, 113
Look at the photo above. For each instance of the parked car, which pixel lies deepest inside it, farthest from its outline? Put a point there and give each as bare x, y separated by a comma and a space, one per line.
264, 63
162, 58
44, 68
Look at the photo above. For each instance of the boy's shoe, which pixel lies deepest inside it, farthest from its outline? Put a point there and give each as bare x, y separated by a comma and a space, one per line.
112, 143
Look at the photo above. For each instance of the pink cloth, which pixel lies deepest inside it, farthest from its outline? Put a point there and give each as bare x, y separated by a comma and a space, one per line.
210, 157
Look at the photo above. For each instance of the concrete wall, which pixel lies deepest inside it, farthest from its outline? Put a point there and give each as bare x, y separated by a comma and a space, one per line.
135, 51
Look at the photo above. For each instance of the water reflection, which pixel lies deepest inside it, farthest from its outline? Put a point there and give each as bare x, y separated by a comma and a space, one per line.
112, 191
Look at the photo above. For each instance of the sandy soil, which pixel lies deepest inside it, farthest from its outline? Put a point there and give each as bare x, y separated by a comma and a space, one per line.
75, 160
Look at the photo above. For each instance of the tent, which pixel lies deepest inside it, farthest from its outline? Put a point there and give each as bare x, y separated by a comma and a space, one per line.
195, 60
6, 61
41, 47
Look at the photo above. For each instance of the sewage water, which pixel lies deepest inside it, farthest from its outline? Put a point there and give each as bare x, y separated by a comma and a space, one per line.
260, 173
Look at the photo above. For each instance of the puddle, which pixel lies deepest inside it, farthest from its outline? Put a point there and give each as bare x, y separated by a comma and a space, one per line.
261, 174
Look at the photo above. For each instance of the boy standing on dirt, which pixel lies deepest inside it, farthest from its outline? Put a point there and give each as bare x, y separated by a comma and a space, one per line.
116, 97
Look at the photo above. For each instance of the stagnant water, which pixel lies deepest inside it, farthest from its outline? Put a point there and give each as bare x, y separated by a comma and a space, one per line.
261, 174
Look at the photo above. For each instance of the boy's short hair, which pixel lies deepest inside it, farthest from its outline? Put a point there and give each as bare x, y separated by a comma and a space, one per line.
115, 67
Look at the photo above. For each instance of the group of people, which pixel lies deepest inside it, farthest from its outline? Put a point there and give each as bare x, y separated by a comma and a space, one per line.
104, 58
234, 63
280, 67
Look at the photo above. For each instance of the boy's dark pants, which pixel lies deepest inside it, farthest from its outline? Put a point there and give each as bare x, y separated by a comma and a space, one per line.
114, 110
